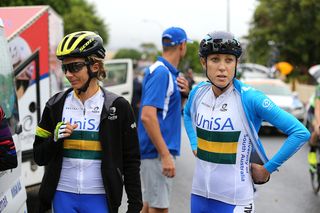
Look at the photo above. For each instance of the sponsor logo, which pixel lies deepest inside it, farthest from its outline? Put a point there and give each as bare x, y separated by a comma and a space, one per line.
224, 108
3, 203
205, 104
86, 44
245, 88
245, 209
90, 124
248, 209
112, 114
96, 110
73, 108
267, 103
16, 189
134, 125
214, 123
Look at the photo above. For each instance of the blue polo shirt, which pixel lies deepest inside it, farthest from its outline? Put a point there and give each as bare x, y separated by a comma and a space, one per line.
160, 90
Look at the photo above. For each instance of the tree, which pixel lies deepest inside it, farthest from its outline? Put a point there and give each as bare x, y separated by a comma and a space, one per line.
128, 53
149, 51
77, 14
191, 59
286, 30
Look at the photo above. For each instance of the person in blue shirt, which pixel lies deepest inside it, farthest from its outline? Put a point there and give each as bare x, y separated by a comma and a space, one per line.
159, 124
222, 118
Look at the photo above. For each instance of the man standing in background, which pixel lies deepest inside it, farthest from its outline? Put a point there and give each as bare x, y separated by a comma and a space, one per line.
159, 126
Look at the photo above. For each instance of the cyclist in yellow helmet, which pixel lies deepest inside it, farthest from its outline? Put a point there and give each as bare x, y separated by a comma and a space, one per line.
87, 137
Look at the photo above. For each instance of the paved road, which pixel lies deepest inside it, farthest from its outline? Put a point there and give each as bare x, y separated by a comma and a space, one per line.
289, 190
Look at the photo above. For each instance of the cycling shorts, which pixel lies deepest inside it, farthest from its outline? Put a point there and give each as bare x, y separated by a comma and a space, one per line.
201, 204
84, 203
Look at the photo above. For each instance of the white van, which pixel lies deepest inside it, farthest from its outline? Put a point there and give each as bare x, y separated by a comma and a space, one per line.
119, 77
12, 191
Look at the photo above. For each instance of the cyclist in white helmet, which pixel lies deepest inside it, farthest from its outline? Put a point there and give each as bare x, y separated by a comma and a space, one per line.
222, 118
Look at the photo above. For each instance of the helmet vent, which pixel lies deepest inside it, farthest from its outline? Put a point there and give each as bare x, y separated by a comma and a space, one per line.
73, 39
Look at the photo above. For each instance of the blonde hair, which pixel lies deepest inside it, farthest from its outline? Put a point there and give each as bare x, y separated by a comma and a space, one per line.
102, 73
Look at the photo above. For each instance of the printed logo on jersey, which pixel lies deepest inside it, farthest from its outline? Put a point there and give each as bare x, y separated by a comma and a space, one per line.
96, 110
205, 104
244, 157
74, 108
223, 123
224, 108
245, 209
112, 113
267, 103
217, 146
89, 124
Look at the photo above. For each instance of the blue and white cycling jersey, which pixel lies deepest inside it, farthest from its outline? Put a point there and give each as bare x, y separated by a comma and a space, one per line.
220, 128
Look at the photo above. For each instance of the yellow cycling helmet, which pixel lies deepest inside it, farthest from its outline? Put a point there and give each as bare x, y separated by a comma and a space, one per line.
81, 45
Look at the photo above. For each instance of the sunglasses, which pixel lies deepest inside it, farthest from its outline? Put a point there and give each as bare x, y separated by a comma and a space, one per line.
73, 67
222, 45
218, 44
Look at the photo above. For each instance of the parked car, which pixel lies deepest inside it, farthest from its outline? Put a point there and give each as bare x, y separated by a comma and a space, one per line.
249, 70
280, 93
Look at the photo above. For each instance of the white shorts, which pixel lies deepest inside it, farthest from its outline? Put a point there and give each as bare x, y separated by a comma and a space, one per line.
156, 188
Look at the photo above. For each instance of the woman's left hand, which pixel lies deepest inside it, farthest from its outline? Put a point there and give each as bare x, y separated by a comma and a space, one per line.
259, 174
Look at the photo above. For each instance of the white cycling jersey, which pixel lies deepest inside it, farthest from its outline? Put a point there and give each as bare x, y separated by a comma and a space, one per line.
222, 169
81, 167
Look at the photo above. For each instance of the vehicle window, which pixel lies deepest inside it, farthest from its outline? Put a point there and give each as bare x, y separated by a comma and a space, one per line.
116, 74
253, 74
272, 89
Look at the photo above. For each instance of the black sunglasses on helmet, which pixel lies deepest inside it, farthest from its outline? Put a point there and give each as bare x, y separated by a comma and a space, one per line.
230, 46
224, 44
73, 67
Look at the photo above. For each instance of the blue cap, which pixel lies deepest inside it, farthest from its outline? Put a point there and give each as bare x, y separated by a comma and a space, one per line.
176, 36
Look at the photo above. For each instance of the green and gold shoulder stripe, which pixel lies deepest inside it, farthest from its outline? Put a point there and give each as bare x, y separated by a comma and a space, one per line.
40, 132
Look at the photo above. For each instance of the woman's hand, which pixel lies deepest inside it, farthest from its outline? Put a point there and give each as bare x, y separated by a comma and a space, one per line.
259, 174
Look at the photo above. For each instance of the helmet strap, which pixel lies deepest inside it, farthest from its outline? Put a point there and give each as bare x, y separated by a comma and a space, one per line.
91, 75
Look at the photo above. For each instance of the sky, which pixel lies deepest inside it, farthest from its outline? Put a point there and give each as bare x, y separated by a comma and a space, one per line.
133, 22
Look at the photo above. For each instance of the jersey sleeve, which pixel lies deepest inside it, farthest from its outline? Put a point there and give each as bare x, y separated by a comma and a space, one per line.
288, 124
156, 88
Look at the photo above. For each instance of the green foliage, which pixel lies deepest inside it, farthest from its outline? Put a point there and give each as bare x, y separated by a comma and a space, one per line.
77, 14
289, 27
149, 51
128, 53
191, 60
